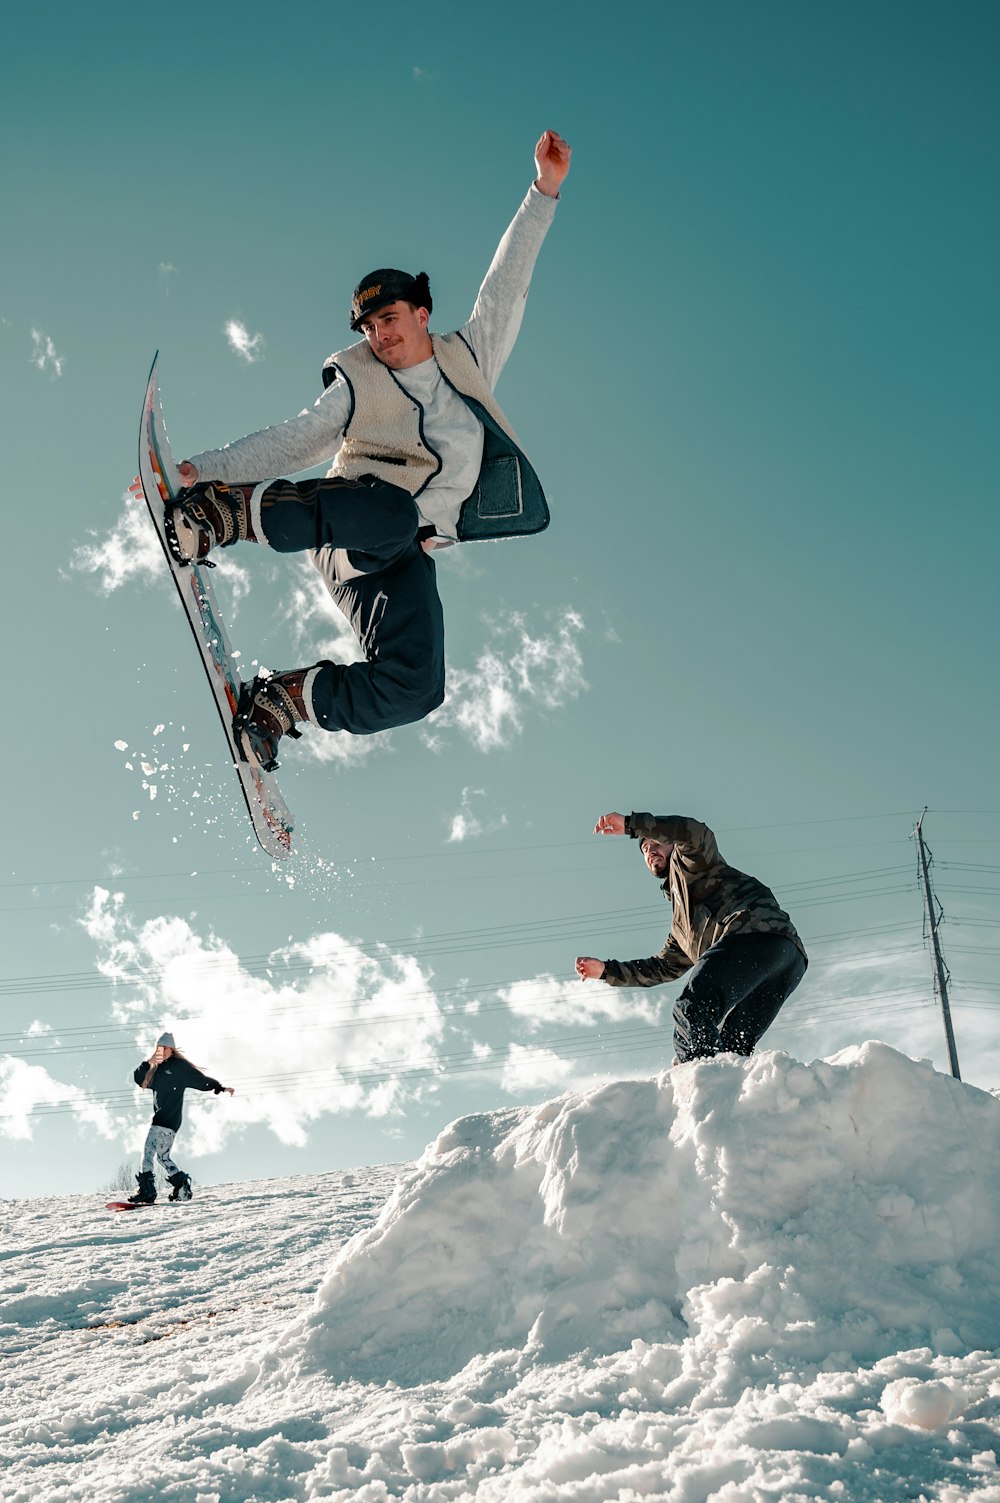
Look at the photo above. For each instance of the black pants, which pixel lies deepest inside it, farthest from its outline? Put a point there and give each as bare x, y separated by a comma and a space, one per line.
734, 993
393, 605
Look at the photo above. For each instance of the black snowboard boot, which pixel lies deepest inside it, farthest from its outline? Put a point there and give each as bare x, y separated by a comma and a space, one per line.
208, 516
146, 1193
182, 1186
268, 709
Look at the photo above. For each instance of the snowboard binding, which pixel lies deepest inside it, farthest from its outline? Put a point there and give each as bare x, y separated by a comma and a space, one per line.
146, 1193
204, 517
181, 1186
266, 711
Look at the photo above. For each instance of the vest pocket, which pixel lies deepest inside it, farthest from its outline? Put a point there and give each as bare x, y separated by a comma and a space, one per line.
498, 490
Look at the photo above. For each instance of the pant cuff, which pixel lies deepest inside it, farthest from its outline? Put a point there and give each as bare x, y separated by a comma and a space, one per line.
256, 519
307, 694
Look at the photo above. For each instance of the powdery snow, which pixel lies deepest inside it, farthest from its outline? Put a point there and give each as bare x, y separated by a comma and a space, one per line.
740, 1281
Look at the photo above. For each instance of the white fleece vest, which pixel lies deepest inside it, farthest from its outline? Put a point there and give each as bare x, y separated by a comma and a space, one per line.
384, 437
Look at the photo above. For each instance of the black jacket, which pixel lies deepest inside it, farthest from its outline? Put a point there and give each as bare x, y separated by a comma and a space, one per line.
172, 1079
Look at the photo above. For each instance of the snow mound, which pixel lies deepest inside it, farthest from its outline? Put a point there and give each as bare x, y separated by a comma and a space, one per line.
797, 1214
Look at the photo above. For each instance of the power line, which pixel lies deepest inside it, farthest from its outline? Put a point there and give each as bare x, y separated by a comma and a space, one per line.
869, 885
456, 1063
452, 941
467, 1062
381, 884
301, 1017
433, 855
123, 879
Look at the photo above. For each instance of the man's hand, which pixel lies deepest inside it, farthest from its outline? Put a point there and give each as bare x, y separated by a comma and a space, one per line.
187, 471
589, 969
610, 824
229, 1090
552, 156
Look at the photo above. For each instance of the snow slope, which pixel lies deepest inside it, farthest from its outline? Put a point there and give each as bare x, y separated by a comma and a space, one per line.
739, 1281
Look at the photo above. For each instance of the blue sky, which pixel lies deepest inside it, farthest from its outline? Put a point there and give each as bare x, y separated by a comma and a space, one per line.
757, 377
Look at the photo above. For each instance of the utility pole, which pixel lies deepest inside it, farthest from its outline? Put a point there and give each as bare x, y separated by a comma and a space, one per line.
941, 973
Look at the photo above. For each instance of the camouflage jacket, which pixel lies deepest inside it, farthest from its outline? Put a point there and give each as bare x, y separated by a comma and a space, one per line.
710, 901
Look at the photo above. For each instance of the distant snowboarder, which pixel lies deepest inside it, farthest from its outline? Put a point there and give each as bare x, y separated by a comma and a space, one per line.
168, 1075
422, 457
738, 949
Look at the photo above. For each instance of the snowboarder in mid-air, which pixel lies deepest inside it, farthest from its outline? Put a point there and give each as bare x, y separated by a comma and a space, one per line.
168, 1075
738, 951
423, 457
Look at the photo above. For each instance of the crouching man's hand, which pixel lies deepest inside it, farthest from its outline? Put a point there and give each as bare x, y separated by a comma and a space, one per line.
610, 824
589, 969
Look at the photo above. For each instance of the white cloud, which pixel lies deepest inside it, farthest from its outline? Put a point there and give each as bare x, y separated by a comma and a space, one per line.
44, 355
468, 823
486, 703
26, 1089
518, 668
131, 552
326, 1029
528, 1069
545, 1000
313, 1029
248, 346
319, 631
166, 271
340, 747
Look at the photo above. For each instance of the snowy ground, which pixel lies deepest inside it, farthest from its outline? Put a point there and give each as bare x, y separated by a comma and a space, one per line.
739, 1281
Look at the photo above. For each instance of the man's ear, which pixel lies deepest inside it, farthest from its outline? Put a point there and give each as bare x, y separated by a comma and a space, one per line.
424, 317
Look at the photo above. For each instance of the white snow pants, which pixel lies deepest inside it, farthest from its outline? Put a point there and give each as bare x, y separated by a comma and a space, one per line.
159, 1141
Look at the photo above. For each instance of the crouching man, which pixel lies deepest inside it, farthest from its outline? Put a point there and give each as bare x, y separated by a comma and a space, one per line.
738, 950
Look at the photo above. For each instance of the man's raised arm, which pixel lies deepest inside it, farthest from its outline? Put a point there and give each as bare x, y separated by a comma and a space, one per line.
495, 321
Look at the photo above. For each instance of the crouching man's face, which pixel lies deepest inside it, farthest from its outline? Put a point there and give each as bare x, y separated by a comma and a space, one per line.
657, 856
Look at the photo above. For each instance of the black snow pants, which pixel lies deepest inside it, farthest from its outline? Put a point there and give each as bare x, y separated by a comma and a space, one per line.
393, 604
734, 993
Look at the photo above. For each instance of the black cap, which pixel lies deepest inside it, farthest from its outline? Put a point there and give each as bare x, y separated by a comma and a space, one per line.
389, 286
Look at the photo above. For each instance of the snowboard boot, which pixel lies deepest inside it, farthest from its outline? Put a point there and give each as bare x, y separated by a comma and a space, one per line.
182, 1186
267, 709
146, 1193
208, 516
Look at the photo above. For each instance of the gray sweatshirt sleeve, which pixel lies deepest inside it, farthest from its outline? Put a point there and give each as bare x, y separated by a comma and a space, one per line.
303, 442
496, 319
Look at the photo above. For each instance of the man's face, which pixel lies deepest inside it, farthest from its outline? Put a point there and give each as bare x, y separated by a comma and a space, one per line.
397, 335
657, 856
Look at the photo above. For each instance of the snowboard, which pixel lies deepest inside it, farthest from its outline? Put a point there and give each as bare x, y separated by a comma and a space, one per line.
144, 1205
269, 814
